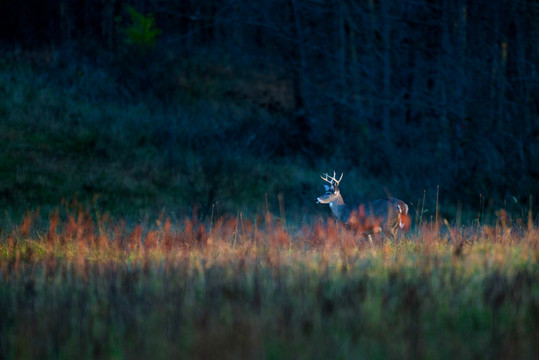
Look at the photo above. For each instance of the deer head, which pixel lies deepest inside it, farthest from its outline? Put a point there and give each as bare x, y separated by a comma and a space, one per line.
332, 190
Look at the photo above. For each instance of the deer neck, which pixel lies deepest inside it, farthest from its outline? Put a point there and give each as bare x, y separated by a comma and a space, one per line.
339, 208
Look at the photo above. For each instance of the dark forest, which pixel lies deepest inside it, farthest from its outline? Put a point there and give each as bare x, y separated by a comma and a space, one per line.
226, 104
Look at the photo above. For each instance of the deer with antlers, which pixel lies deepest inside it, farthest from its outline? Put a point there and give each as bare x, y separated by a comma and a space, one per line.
379, 216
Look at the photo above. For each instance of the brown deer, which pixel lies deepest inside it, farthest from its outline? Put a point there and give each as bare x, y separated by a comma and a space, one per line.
379, 216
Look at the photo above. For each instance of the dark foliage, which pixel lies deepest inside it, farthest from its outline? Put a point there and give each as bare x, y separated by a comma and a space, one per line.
422, 92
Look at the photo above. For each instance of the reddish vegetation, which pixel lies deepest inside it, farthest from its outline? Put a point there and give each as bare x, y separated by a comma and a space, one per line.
240, 286
360, 222
79, 235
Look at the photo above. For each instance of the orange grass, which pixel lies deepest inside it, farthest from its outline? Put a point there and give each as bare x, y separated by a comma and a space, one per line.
78, 236
253, 288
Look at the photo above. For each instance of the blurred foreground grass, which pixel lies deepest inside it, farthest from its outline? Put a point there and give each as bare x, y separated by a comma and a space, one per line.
252, 288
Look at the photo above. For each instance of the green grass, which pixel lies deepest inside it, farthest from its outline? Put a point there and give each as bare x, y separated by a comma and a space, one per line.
237, 289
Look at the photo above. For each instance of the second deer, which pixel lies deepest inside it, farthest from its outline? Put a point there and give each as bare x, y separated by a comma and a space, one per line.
385, 215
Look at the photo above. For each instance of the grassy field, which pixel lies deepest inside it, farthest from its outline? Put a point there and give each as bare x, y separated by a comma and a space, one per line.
104, 276
82, 284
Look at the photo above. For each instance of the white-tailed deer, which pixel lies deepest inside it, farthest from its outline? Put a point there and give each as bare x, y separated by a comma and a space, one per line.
384, 215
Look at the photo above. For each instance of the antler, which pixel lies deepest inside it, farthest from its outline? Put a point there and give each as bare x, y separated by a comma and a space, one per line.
332, 179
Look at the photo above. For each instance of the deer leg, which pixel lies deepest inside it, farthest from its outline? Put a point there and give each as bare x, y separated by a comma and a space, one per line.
396, 233
370, 239
391, 234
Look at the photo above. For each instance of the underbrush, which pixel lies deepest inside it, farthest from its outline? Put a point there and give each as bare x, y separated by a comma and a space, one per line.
233, 287
70, 130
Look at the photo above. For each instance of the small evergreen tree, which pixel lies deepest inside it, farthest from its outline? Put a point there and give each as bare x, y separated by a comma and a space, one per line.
141, 32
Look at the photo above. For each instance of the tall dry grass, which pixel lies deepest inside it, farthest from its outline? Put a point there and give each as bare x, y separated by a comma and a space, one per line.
81, 234
84, 284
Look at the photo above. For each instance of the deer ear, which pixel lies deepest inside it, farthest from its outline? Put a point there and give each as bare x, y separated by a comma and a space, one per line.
327, 187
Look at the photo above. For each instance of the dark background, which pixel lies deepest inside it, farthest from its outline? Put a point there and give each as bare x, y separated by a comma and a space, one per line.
140, 106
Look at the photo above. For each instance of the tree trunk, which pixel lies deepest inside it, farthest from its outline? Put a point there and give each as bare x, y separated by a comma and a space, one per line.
386, 77
301, 84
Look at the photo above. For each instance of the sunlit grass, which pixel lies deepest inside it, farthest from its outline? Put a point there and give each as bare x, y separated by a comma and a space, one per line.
83, 283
